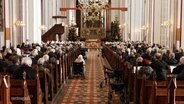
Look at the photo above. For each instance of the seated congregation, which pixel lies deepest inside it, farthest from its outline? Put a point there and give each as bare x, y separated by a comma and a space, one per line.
36, 72
144, 69
151, 72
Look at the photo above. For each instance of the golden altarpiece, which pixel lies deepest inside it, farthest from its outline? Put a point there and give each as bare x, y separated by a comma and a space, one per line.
92, 19
92, 22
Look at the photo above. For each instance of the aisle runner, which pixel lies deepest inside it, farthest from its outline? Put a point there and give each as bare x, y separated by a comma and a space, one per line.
87, 91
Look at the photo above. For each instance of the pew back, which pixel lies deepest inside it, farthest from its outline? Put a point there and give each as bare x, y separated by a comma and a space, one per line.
19, 92
4, 89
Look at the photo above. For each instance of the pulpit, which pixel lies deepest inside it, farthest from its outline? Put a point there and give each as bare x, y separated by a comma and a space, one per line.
50, 35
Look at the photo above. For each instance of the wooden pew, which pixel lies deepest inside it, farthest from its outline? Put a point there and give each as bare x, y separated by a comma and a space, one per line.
29, 88
6, 73
65, 67
157, 92
129, 78
35, 90
138, 80
44, 86
68, 66
51, 84
19, 93
5, 89
180, 92
61, 71
56, 76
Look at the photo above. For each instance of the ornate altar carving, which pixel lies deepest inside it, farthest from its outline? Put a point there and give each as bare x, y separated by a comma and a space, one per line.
92, 33
93, 43
93, 19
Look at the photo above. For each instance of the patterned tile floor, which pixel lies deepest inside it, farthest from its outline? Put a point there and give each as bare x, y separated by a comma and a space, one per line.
88, 91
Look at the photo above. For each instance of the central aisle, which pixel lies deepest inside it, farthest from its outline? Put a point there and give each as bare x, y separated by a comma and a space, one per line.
87, 91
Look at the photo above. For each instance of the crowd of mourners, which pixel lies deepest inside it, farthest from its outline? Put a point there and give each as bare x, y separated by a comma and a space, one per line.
31, 58
152, 58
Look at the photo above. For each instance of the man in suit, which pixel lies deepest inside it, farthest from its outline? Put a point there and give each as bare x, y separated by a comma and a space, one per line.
160, 67
25, 68
179, 70
16, 64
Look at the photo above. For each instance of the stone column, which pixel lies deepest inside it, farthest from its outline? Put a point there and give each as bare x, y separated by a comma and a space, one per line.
34, 21
156, 21
7, 23
182, 24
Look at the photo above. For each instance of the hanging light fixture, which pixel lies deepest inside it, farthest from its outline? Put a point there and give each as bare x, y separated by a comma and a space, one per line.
19, 23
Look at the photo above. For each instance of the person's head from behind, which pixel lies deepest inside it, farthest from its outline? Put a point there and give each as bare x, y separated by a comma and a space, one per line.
34, 52
26, 61
46, 57
158, 56
172, 55
177, 50
16, 60
18, 52
7, 52
139, 59
182, 60
41, 61
80, 57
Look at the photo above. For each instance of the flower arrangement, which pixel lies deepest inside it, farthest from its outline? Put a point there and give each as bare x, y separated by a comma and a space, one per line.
72, 36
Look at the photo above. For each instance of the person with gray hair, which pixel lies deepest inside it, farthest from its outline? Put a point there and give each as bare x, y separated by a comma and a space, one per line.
18, 52
14, 66
25, 67
179, 69
7, 53
172, 60
40, 64
160, 67
46, 64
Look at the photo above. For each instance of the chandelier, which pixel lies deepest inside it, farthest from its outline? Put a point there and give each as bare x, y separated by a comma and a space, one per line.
91, 9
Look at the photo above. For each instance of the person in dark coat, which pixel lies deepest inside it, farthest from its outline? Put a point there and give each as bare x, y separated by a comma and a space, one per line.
172, 60
3, 64
16, 64
178, 54
25, 68
179, 70
180, 76
40, 67
180, 67
160, 67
